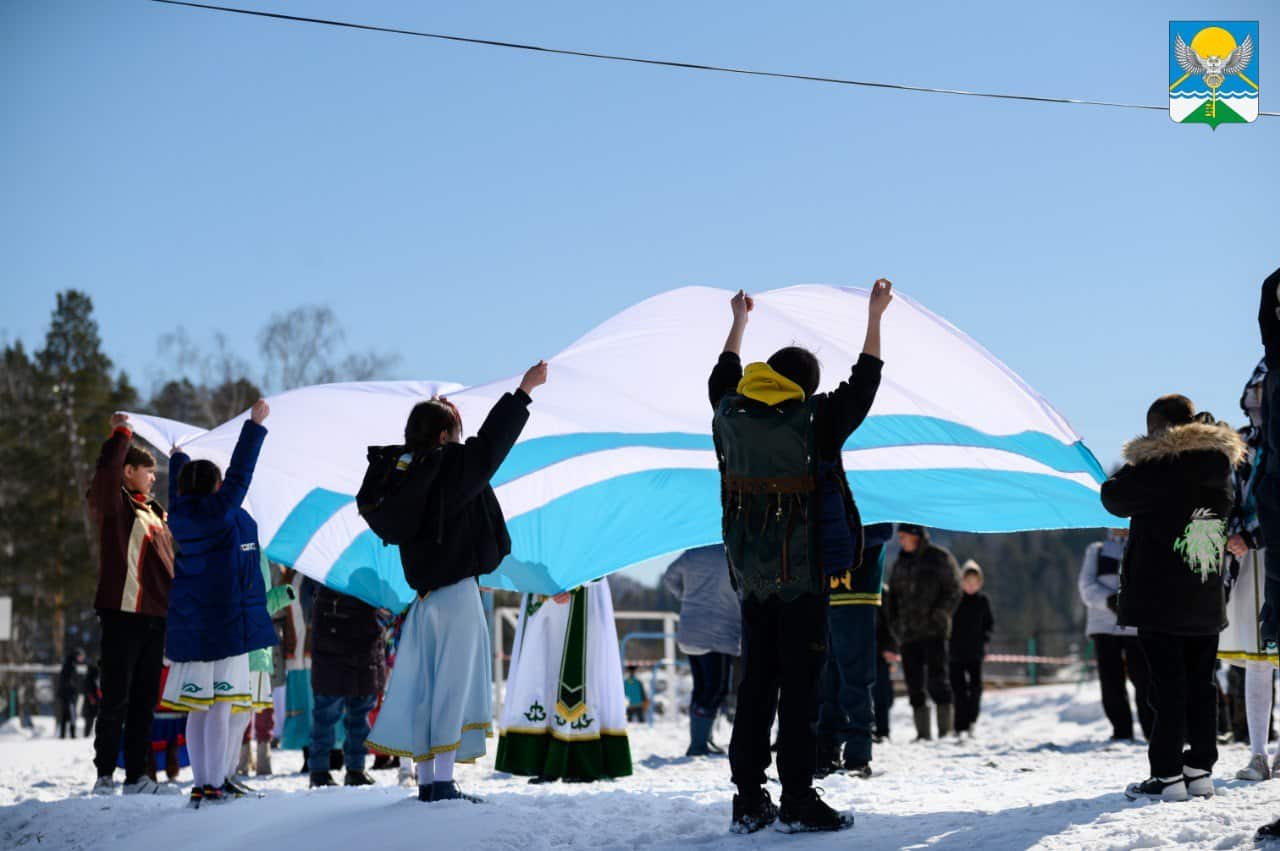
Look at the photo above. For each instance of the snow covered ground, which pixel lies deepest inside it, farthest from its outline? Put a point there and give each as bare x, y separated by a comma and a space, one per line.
1040, 775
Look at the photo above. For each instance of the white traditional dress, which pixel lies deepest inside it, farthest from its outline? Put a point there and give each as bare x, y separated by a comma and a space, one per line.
1241, 641
440, 696
565, 712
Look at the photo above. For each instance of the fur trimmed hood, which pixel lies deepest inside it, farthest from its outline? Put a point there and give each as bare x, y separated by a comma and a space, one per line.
1193, 437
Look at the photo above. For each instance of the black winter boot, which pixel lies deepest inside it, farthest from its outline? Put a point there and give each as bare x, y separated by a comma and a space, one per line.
924, 724
752, 811
828, 757
358, 778
321, 780
807, 813
946, 719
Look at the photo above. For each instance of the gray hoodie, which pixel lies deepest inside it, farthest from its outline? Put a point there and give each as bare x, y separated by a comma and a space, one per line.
710, 613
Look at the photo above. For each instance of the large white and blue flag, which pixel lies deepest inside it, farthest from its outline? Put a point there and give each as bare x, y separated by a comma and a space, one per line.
616, 464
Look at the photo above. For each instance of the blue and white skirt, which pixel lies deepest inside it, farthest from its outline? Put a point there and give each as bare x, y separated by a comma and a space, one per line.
440, 696
196, 686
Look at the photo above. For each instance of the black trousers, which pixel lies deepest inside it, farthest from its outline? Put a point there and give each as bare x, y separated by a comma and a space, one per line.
711, 673
66, 717
132, 657
784, 648
924, 667
966, 684
1120, 656
1184, 696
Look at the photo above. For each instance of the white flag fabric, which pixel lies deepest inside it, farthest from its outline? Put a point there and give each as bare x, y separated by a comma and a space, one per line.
616, 465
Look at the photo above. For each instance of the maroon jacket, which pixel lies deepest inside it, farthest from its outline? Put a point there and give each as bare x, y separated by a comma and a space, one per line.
135, 565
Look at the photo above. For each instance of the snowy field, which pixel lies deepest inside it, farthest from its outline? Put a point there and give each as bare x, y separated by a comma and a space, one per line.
1040, 775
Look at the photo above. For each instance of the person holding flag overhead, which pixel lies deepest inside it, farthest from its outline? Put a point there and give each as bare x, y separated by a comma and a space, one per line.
432, 497
790, 523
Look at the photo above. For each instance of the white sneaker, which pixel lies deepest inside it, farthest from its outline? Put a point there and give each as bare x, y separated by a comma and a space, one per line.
146, 786
1172, 789
1256, 770
104, 786
1199, 782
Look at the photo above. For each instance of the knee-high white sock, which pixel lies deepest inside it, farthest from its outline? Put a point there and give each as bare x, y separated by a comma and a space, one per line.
195, 745
235, 736
444, 766
426, 772
1257, 704
215, 743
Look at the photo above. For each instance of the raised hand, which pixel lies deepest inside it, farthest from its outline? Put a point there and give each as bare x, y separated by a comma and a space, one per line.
741, 305
534, 378
881, 298
261, 410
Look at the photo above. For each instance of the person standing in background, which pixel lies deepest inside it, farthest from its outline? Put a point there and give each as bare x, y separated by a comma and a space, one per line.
709, 633
1241, 645
346, 679
970, 633
846, 716
924, 591
69, 693
1117, 648
637, 700
92, 698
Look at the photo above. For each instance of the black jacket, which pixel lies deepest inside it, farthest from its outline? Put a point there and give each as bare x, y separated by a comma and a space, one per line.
464, 533
1269, 319
838, 414
971, 627
924, 590
346, 646
1176, 488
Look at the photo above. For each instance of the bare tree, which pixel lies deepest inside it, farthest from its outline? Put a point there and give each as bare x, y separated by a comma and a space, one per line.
302, 347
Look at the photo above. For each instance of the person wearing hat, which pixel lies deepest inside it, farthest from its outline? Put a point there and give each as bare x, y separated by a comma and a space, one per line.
924, 591
971, 628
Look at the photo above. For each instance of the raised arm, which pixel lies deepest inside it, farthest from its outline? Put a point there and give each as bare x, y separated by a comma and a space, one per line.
852, 400
108, 475
177, 460
727, 372
484, 453
235, 484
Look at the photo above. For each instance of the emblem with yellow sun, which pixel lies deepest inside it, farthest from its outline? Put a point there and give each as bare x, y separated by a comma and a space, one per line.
1213, 72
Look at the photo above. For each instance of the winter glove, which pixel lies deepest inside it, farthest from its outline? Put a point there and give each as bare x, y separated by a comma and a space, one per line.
1113, 603
279, 597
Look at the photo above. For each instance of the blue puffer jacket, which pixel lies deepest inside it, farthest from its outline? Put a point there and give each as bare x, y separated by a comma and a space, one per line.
217, 606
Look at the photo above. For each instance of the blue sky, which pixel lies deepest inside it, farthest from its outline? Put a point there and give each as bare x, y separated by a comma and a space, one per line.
209, 170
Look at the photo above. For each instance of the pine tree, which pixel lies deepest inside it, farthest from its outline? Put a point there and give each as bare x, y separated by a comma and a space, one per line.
72, 394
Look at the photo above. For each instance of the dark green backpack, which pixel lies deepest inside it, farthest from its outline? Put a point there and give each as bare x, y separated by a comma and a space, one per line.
769, 490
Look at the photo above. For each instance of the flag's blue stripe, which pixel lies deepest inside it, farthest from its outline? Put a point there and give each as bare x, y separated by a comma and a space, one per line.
312, 512
625, 520
372, 572
876, 433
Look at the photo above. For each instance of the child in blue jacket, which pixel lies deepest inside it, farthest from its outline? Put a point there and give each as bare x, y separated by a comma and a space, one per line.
217, 606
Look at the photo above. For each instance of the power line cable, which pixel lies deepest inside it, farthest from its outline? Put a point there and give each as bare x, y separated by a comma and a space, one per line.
666, 63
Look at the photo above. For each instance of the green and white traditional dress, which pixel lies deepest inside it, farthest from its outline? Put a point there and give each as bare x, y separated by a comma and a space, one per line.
565, 712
